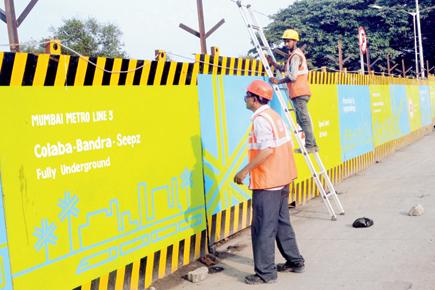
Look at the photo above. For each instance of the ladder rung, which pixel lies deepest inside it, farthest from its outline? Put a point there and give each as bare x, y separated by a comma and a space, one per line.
254, 26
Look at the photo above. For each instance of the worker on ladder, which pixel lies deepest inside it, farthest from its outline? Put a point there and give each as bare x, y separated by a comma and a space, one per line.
296, 78
271, 168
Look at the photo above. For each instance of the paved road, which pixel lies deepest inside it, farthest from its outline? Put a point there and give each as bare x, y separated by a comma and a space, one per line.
398, 252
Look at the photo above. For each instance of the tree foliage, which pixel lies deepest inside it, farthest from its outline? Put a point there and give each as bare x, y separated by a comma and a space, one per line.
389, 31
87, 37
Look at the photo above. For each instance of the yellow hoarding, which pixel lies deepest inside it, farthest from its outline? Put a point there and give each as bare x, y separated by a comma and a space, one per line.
413, 93
96, 177
383, 125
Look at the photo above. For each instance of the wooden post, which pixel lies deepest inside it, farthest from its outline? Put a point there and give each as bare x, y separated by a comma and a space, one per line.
403, 68
11, 22
427, 67
340, 54
388, 65
369, 69
202, 34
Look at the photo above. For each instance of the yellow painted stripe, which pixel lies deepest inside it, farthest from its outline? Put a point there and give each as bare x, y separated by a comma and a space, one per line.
215, 64
171, 74
119, 284
247, 63
62, 70
162, 262
236, 218
1, 59
159, 72
239, 67
104, 281
18, 69
186, 255
130, 75
135, 276
41, 70
99, 72
198, 245
218, 226
223, 118
145, 73
175, 253
244, 214
81, 71
209, 223
224, 65
149, 270
114, 76
86, 286
228, 221
205, 64
195, 71
183, 75
217, 118
232, 62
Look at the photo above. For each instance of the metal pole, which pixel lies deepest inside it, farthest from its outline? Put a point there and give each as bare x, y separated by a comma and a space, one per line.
362, 62
415, 45
201, 27
11, 22
420, 42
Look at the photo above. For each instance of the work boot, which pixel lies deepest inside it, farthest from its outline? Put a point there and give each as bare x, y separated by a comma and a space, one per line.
255, 280
291, 267
309, 149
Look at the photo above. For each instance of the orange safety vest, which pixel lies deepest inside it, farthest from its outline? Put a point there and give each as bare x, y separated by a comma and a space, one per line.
279, 168
300, 87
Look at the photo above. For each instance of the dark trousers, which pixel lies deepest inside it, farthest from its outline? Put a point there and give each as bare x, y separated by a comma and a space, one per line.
303, 119
270, 222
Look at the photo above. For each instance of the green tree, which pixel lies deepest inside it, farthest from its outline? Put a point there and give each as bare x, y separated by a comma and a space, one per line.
87, 37
322, 23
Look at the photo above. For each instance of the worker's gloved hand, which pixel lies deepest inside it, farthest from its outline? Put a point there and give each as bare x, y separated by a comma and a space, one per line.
273, 80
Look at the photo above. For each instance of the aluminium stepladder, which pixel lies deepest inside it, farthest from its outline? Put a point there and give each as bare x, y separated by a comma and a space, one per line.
256, 33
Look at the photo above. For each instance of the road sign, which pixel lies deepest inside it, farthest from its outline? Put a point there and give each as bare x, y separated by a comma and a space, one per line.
362, 39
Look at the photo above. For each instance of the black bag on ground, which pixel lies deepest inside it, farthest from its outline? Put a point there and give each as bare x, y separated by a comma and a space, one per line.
362, 222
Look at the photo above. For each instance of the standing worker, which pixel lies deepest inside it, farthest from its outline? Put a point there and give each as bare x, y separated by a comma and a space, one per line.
296, 78
272, 168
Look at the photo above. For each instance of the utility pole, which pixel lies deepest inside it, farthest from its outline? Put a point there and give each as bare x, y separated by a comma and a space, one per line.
420, 42
11, 22
388, 65
202, 34
8, 16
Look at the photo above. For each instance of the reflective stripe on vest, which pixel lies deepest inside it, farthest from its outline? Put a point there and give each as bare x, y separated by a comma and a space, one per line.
300, 86
274, 171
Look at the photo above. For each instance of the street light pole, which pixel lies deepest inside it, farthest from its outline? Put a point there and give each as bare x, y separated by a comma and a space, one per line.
420, 43
415, 45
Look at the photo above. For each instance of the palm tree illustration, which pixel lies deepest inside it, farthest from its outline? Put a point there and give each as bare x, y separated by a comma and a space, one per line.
45, 235
68, 205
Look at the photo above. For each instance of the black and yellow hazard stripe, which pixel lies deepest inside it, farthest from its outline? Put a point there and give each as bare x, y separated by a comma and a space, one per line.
229, 221
24, 69
220, 65
139, 274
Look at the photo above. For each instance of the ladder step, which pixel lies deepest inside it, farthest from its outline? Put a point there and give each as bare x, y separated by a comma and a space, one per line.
254, 26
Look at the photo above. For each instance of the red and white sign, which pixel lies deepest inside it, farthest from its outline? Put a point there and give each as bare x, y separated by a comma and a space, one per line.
362, 39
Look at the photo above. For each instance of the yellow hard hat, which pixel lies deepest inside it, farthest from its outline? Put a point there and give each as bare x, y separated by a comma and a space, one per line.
290, 34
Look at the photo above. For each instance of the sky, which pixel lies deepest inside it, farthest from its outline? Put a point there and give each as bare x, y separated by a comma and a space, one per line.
149, 24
